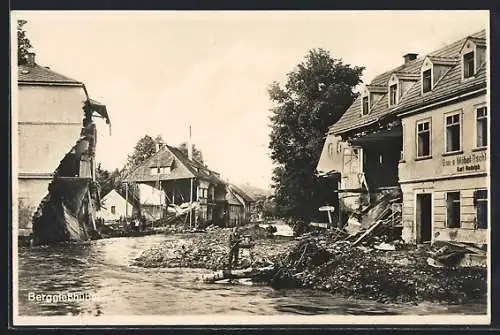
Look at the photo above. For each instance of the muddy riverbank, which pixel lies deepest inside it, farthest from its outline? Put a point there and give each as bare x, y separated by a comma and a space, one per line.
317, 262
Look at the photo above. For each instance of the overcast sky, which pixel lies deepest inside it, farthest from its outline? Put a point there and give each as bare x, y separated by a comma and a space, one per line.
159, 72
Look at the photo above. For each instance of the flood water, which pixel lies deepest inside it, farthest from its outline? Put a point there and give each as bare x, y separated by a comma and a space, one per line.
102, 270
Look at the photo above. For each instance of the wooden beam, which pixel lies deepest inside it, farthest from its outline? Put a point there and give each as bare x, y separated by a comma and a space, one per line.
366, 233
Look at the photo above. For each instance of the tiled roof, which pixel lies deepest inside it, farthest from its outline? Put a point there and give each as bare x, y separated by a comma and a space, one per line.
41, 75
142, 173
167, 156
162, 158
196, 168
450, 85
352, 118
241, 193
232, 199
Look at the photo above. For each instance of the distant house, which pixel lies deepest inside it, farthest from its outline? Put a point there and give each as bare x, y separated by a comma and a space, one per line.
49, 122
236, 208
182, 179
151, 203
244, 200
114, 206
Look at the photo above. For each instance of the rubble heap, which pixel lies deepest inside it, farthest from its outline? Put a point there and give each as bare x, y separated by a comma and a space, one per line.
327, 262
210, 250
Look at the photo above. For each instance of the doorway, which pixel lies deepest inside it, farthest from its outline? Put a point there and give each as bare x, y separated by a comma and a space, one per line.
424, 216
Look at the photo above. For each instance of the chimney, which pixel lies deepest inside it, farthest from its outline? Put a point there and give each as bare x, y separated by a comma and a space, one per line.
30, 59
409, 57
159, 146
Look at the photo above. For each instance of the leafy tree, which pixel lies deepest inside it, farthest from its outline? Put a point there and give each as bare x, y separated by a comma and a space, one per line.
269, 209
107, 180
315, 96
23, 43
145, 148
197, 154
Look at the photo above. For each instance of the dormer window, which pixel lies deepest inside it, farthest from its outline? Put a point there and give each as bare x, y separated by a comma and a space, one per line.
472, 56
393, 94
468, 60
365, 106
427, 80
160, 170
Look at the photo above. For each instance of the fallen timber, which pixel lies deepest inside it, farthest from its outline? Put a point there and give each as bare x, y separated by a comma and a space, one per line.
255, 274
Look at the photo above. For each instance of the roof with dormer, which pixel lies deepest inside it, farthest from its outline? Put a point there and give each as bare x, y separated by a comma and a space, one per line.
181, 167
448, 85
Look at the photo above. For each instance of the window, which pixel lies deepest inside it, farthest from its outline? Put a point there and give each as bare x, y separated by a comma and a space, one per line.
330, 149
481, 204
113, 209
469, 65
165, 170
453, 210
393, 89
427, 81
160, 170
203, 193
339, 147
365, 106
481, 127
453, 132
351, 160
423, 139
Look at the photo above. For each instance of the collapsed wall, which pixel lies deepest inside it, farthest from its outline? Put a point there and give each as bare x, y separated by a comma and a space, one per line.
362, 209
67, 212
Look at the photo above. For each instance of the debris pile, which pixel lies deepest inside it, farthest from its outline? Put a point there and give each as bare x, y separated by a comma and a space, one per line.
368, 264
327, 262
210, 250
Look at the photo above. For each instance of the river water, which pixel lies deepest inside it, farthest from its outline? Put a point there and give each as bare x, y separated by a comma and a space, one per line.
101, 269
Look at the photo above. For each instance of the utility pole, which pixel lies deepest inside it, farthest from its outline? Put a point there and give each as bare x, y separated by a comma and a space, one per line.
191, 204
126, 201
190, 157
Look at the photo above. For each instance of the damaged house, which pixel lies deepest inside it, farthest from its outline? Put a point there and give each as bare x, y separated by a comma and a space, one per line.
189, 186
417, 136
49, 123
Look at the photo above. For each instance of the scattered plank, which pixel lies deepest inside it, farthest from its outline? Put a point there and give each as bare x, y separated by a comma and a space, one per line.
468, 247
366, 233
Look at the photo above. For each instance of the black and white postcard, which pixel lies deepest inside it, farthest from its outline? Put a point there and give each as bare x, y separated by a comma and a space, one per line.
250, 167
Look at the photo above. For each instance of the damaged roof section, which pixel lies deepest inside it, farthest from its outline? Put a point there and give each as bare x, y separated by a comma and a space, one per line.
448, 85
97, 107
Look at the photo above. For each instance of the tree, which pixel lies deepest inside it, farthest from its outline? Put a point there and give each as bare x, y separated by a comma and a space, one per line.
145, 148
269, 209
107, 180
23, 43
197, 154
315, 96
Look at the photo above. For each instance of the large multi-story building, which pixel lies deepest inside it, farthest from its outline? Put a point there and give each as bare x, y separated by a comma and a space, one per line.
49, 122
421, 132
